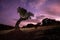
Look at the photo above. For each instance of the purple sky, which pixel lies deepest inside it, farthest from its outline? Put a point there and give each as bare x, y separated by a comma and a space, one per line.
40, 8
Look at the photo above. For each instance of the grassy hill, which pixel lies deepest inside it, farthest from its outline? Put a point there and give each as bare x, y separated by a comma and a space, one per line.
5, 27
37, 34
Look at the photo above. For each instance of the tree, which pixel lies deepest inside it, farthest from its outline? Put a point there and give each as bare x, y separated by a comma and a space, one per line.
48, 21
44, 21
24, 15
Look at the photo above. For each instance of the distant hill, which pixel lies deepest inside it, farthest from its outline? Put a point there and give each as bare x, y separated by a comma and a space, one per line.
32, 25
5, 27
28, 26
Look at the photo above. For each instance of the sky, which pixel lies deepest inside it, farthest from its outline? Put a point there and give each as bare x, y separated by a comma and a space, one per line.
40, 8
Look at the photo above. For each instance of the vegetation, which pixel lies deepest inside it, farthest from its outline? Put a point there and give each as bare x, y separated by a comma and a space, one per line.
50, 34
5, 27
48, 21
24, 15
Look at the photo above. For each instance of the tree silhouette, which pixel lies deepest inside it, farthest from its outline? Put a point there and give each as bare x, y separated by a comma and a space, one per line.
45, 21
24, 15
48, 21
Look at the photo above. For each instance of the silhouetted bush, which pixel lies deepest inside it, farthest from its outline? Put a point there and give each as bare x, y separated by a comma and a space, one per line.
32, 25
29, 26
48, 21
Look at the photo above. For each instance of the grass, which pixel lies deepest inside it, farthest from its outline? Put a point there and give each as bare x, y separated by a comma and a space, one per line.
41, 33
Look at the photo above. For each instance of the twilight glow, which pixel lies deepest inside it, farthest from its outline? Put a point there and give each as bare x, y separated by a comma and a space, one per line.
40, 8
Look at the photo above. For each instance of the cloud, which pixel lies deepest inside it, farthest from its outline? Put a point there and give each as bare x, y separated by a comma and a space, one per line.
52, 9
36, 4
48, 8
52, 1
40, 17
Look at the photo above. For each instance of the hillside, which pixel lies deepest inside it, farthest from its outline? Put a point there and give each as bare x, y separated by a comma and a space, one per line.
5, 27
49, 34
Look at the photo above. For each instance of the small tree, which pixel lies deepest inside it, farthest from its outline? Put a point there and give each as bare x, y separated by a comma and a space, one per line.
24, 15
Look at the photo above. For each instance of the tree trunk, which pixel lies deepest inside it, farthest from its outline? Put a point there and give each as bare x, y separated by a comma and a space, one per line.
17, 24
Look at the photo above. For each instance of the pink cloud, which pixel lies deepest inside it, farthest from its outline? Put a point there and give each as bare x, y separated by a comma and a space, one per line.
52, 9
55, 8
